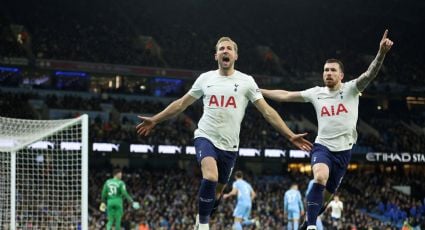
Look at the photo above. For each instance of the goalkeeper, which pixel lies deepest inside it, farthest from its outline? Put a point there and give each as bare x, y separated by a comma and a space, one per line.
112, 194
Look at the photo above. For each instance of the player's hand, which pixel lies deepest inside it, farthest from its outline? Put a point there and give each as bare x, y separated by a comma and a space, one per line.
385, 44
102, 207
135, 205
225, 196
145, 127
299, 141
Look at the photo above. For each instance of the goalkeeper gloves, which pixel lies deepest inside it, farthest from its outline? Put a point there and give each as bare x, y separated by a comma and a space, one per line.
102, 207
135, 205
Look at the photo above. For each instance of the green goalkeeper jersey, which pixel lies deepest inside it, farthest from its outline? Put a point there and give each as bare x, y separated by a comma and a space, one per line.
114, 189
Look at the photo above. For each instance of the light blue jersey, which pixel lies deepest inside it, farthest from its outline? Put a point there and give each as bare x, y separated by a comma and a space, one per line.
244, 192
293, 204
244, 203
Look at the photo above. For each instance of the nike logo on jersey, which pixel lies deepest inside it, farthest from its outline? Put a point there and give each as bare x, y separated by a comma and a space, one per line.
209, 86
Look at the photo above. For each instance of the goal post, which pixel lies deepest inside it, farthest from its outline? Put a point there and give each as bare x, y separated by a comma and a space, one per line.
44, 173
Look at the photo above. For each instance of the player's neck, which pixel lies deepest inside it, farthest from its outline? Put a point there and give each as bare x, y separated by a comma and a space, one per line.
335, 87
226, 72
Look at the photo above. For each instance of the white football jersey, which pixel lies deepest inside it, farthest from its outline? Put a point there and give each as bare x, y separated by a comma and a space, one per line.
337, 207
337, 114
225, 99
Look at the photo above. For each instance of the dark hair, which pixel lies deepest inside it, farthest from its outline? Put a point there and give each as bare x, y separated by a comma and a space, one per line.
333, 60
238, 174
116, 171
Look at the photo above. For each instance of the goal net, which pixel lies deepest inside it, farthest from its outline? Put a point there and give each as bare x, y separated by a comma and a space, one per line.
43, 173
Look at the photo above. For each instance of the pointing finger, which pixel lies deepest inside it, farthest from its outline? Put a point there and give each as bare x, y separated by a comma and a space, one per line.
385, 34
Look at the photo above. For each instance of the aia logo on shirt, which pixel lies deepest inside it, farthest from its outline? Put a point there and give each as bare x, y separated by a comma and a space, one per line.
333, 110
222, 101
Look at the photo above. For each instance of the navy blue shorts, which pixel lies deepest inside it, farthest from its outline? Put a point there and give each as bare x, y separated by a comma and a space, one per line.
336, 161
225, 159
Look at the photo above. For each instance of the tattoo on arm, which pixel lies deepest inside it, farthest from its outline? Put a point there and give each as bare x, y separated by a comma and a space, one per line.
370, 74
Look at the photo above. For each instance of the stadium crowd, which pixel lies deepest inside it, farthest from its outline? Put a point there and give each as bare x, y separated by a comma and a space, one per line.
388, 130
146, 33
168, 200
369, 198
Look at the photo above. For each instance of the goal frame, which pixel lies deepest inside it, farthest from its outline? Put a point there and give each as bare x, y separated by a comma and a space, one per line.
83, 119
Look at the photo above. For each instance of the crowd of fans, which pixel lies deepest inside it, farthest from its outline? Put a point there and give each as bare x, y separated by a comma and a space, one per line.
157, 34
391, 129
168, 199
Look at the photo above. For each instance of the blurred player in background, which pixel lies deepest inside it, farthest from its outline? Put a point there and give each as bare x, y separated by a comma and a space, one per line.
112, 194
245, 194
293, 207
336, 207
226, 93
336, 107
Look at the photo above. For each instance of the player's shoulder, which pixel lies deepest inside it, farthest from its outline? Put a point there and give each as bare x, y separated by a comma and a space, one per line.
350, 84
244, 76
211, 73
313, 90
318, 88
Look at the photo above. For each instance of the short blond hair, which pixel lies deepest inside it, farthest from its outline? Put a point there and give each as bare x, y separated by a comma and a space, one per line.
223, 39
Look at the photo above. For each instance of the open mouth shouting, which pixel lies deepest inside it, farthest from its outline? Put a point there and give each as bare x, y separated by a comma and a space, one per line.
225, 60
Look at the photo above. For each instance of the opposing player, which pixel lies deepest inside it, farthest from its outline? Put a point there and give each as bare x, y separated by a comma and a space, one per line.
226, 93
245, 194
112, 194
336, 107
293, 207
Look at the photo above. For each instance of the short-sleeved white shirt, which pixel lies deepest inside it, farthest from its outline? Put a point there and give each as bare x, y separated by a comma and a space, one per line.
337, 114
225, 99
337, 208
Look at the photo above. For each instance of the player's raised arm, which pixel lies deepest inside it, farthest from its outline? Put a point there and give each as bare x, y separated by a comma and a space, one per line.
384, 46
282, 95
276, 121
176, 107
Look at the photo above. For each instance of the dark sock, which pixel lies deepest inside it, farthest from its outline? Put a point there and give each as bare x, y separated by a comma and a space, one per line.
314, 203
206, 200
216, 203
